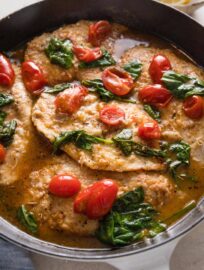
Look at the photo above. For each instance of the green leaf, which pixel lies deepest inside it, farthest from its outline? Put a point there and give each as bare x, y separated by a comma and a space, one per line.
2, 117
60, 52
27, 219
131, 219
96, 86
104, 61
153, 112
57, 88
81, 140
134, 69
5, 99
7, 132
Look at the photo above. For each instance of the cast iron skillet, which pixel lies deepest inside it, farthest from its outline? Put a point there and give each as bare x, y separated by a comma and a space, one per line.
145, 15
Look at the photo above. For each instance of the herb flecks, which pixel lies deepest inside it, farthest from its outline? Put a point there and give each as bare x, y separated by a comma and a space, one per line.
27, 219
131, 219
60, 52
134, 68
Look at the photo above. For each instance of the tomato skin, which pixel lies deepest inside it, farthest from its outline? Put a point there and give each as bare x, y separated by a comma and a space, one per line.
87, 54
149, 131
112, 115
158, 65
117, 81
64, 185
102, 198
33, 77
194, 107
81, 201
156, 95
98, 32
2, 153
7, 75
70, 100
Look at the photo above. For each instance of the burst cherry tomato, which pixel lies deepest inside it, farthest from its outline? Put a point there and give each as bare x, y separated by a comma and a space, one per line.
112, 115
98, 32
33, 77
64, 185
87, 54
117, 81
71, 99
7, 75
158, 65
2, 153
149, 130
155, 95
80, 203
194, 107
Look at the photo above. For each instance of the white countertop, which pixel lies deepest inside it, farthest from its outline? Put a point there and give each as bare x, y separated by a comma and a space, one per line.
189, 253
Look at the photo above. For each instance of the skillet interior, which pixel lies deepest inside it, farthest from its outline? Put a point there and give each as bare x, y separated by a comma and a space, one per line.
30, 21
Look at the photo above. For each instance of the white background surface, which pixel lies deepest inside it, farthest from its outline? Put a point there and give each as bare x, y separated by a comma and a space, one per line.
189, 254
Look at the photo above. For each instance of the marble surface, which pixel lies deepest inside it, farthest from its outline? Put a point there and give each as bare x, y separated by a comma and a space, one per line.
188, 254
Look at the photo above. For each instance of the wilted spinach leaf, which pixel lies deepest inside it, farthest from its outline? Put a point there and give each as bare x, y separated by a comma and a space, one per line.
57, 88
27, 219
134, 69
153, 112
5, 99
2, 117
7, 132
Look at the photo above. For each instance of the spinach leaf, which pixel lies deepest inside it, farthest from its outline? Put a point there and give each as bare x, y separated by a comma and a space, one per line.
96, 86
60, 52
5, 99
153, 112
2, 117
134, 69
131, 219
27, 219
79, 138
104, 61
181, 85
7, 132
57, 88
125, 143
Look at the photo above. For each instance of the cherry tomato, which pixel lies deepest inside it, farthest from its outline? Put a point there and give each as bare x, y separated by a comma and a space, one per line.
7, 75
98, 32
155, 95
87, 54
149, 130
103, 195
117, 81
112, 115
64, 185
33, 77
194, 107
158, 65
71, 99
2, 153
80, 203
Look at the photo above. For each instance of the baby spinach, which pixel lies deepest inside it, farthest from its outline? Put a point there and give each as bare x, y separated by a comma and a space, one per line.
181, 85
60, 52
7, 132
96, 86
153, 112
27, 219
131, 219
125, 143
104, 61
57, 88
134, 68
2, 117
80, 138
5, 99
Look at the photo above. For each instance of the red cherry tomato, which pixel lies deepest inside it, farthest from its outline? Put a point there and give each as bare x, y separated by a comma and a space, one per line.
102, 197
158, 65
64, 185
112, 115
98, 32
117, 81
33, 77
7, 75
2, 153
155, 95
80, 203
87, 54
149, 130
194, 107
71, 99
